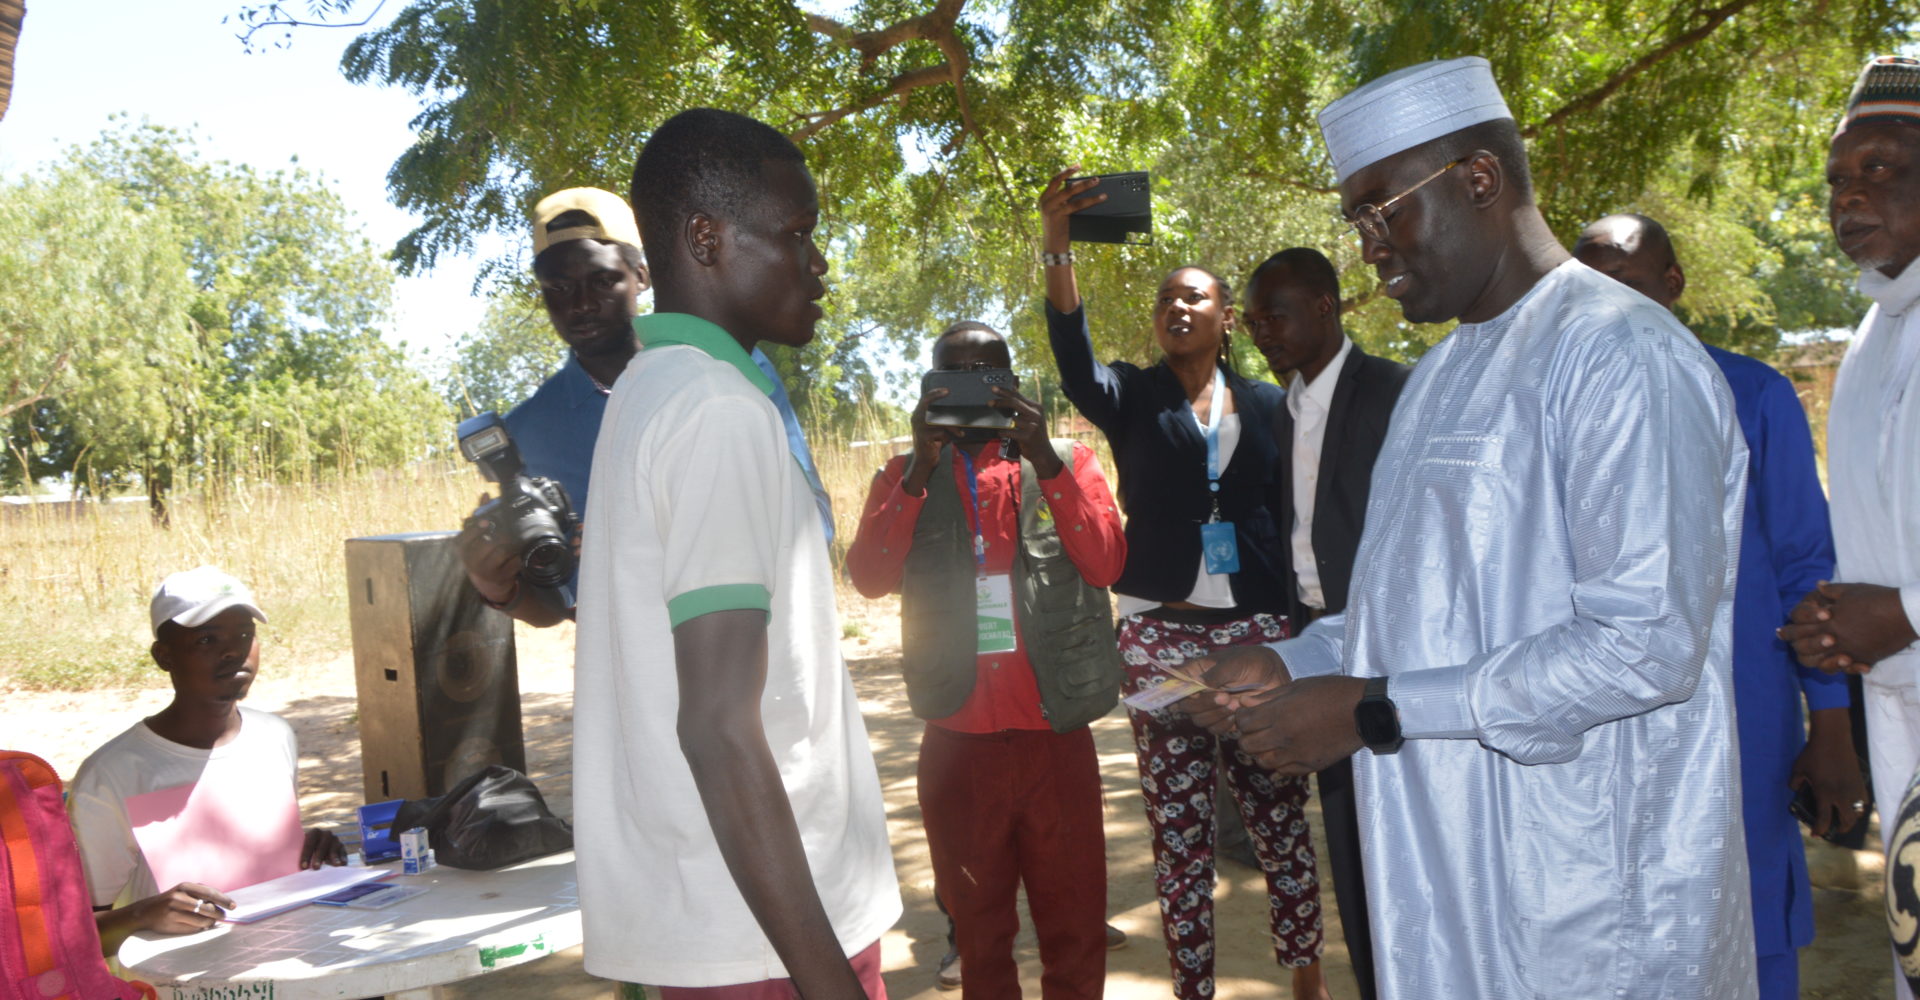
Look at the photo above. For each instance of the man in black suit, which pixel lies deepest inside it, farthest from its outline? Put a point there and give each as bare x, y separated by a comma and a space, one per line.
1339, 400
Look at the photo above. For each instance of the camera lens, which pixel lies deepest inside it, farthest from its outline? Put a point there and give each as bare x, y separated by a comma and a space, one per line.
548, 562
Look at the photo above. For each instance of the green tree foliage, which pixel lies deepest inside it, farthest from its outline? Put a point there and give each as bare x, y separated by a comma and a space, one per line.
99, 356
172, 321
503, 361
931, 125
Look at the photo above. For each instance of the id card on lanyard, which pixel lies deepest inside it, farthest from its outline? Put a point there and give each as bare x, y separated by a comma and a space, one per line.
1219, 546
993, 592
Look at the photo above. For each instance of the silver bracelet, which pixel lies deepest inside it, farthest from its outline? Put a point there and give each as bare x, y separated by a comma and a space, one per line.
1056, 259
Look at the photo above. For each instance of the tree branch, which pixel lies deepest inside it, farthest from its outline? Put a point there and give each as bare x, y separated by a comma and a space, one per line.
20, 404
937, 26
873, 44
279, 18
41, 393
831, 28
958, 61
926, 76
1715, 17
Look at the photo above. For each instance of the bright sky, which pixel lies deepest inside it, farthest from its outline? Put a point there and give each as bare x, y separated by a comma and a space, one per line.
174, 63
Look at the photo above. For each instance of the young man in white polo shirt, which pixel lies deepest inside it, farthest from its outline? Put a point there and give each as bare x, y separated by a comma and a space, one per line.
731, 835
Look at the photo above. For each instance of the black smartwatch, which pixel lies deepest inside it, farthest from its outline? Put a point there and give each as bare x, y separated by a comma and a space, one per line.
1376, 718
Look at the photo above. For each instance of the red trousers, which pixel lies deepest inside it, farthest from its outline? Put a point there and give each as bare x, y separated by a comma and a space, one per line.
1014, 808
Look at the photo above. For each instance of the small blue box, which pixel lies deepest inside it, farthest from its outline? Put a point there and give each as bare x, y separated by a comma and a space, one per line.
377, 839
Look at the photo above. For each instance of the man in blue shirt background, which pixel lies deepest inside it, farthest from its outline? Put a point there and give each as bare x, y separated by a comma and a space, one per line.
591, 271
1786, 548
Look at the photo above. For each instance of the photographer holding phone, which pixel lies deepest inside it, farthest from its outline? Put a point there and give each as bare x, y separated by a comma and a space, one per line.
1001, 543
1206, 569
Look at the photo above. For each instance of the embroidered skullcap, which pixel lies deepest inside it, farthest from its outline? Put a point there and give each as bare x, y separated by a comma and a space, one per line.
1887, 93
1405, 108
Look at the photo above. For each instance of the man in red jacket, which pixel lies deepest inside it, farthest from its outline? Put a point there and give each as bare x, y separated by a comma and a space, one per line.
1001, 545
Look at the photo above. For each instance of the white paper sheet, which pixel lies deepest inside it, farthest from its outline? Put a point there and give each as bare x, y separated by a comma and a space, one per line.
264, 899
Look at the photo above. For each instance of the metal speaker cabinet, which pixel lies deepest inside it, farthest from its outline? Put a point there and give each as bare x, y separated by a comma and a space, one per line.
438, 684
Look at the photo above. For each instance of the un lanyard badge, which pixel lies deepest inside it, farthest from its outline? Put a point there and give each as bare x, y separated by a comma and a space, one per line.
1219, 547
993, 592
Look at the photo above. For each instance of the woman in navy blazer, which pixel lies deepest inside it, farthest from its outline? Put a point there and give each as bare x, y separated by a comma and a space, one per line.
1172, 607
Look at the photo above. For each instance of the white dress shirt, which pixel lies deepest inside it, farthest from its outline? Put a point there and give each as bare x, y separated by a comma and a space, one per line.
1309, 404
1210, 590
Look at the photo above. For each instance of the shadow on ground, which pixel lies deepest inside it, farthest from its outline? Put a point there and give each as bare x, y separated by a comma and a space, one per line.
1849, 960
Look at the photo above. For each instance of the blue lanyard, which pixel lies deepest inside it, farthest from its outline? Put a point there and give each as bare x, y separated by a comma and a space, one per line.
973, 509
1214, 407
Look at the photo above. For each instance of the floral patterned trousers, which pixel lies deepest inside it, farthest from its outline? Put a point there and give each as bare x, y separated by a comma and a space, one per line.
1177, 761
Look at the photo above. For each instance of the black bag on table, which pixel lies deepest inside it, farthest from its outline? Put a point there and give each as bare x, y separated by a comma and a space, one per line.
492, 819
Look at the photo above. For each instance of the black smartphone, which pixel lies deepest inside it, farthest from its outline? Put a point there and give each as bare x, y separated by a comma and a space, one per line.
1806, 809
1125, 217
969, 401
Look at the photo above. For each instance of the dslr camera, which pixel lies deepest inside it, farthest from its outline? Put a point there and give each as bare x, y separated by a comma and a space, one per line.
532, 514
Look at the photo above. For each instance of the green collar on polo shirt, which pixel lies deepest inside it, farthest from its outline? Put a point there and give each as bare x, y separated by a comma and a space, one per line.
661, 329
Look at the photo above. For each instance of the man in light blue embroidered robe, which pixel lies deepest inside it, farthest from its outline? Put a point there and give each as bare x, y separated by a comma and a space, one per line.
1535, 657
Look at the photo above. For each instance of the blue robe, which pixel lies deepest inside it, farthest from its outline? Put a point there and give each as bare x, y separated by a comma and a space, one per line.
1786, 548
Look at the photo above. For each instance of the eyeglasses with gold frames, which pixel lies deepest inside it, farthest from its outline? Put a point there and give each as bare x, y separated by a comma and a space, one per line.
1370, 221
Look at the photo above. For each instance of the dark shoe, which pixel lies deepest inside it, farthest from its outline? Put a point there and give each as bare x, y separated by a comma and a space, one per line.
1116, 938
949, 976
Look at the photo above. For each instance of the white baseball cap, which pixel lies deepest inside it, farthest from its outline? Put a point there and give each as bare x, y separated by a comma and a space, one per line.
192, 597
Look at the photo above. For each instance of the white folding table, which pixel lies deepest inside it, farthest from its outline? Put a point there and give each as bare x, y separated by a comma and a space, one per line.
469, 924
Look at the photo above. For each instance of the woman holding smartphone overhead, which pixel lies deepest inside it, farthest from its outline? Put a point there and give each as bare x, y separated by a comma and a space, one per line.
1206, 569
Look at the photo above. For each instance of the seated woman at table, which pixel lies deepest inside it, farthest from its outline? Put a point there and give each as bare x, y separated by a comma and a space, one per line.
202, 789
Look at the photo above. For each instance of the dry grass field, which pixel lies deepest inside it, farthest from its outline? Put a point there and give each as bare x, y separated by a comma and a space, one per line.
75, 579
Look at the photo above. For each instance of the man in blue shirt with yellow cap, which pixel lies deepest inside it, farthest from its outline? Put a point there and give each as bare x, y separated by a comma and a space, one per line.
588, 262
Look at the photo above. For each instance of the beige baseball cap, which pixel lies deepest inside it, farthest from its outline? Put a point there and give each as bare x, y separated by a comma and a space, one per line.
612, 219
192, 597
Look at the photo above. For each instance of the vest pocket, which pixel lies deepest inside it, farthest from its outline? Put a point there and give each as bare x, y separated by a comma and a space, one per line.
1058, 585
1080, 669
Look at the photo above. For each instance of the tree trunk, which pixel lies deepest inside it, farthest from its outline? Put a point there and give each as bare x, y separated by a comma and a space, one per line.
159, 492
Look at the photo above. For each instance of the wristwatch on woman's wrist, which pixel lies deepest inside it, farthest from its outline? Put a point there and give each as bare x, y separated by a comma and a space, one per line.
1377, 719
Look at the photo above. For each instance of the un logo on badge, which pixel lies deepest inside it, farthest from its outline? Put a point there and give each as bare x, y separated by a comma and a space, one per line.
1903, 885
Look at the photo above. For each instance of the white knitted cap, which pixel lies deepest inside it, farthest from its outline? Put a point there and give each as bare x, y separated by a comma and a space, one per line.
1407, 107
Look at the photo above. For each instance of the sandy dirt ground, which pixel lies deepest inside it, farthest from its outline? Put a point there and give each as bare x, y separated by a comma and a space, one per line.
1848, 961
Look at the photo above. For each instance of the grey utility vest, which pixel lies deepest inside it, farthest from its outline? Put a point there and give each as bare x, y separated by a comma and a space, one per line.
1066, 626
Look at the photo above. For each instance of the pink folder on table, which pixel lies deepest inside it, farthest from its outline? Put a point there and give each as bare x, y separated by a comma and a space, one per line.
225, 834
